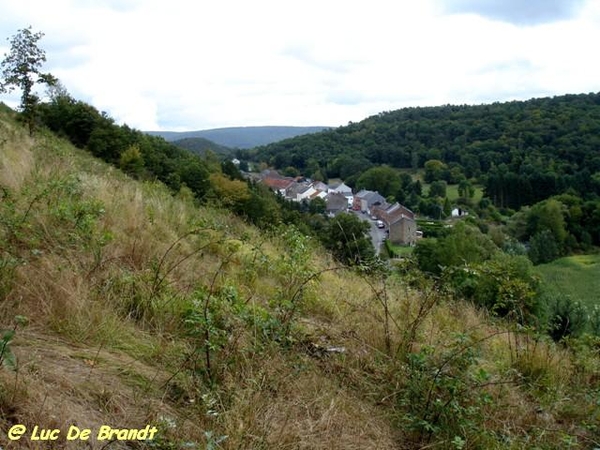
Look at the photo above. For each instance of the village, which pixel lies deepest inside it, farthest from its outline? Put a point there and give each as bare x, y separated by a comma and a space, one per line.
398, 222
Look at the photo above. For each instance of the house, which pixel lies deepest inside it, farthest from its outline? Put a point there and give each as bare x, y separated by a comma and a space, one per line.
276, 182
341, 188
320, 186
318, 194
280, 185
299, 191
335, 203
400, 222
403, 230
344, 189
459, 212
365, 200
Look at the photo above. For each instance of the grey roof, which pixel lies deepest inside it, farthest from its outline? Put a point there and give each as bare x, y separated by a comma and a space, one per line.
336, 201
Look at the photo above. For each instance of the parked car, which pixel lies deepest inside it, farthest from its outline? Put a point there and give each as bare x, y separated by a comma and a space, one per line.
380, 224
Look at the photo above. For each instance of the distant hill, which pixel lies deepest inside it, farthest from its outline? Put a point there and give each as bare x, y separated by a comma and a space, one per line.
200, 146
241, 137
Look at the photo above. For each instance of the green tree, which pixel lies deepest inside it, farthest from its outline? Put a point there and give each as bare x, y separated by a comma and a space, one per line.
317, 206
229, 192
464, 244
546, 230
382, 179
543, 247
447, 208
547, 215
466, 189
504, 284
507, 286
434, 170
566, 317
437, 189
70, 118
131, 161
21, 69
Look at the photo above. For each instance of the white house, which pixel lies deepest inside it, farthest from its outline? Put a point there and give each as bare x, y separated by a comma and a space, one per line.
459, 212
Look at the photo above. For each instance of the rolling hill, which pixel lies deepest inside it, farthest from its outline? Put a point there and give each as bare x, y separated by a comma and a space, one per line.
240, 137
200, 146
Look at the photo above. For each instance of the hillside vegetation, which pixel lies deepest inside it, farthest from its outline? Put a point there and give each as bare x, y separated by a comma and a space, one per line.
577, 277
133, 306
201, 146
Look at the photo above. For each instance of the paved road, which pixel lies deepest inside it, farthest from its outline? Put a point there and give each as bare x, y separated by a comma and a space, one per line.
377, 234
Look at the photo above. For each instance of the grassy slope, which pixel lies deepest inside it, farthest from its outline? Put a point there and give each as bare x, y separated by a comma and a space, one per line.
451, 189
577, 276
109, 272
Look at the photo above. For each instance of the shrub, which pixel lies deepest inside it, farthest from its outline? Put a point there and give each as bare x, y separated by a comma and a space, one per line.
565, 317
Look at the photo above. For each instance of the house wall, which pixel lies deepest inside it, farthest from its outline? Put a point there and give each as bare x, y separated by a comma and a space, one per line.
364, 205
403, 232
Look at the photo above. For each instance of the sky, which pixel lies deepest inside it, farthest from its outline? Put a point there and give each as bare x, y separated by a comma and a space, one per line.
184, 65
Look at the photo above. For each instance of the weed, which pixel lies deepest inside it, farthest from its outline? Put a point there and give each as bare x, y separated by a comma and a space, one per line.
7, 357
444, 393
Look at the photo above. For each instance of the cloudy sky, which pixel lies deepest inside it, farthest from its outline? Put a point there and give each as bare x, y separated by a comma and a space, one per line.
191, 65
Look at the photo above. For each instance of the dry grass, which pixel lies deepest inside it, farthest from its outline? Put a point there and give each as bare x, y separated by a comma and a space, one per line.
300, 408
17, 157
59, 384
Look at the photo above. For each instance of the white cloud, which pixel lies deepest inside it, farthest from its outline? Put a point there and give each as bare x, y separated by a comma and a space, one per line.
521, 12
196, 65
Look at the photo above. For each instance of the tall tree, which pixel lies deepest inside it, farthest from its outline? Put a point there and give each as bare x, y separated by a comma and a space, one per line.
21, 69
383, 179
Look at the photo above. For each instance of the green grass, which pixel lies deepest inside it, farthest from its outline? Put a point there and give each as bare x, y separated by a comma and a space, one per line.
398, 251
577, 276
452, 193
451, 190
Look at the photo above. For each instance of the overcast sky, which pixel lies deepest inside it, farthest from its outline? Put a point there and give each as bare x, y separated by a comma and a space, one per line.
192, 65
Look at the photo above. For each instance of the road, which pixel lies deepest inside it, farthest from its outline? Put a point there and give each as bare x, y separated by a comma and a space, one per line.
378, 235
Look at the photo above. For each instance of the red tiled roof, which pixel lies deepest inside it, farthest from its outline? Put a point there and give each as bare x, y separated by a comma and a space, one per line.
277, 183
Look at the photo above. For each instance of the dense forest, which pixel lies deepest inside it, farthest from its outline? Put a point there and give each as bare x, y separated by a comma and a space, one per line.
201, 146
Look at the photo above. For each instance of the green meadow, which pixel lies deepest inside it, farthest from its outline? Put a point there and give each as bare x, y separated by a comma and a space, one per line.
577, 276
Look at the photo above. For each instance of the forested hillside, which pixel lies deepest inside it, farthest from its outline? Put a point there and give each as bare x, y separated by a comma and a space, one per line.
521, 151
201, 146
